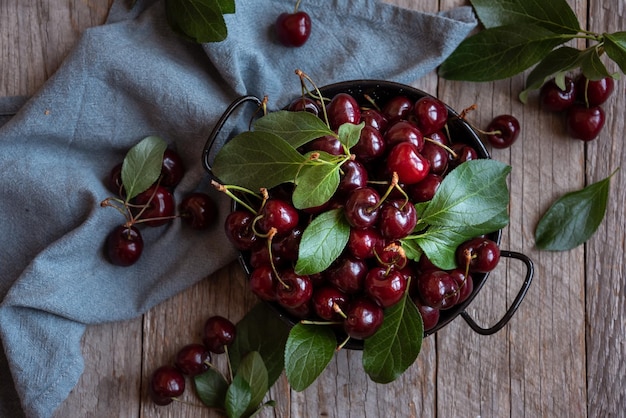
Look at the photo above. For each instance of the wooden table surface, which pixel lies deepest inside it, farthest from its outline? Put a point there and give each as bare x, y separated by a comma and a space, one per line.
562, 354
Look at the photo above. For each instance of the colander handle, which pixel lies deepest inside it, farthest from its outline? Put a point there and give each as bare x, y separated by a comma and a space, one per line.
206, 154
518, 299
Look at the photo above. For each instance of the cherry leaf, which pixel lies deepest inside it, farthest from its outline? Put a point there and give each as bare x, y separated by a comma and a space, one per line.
499, 52
573, 218
261, 330
615, 47
315, 185
211, 388
257, 159
295, 128
142, 164
349, 134
592, 67
308, 351
238, 397
199, 20
253, 371
397, 343
322, 242
554, 15
471, 194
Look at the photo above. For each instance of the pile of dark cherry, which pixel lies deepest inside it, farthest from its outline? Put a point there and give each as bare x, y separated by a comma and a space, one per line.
581, 102
402, 136
154, 207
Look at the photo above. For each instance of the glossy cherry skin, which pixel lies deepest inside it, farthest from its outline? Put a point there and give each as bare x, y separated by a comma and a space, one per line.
503, 131
124, 245
304, 104
480, 254
555, 99
159, 205
370, 146
238, 229
293, 29
278, 214
347, 274
462, 153
397, 219
430, 315
192, 359
361, 208
166, 383
362, 242
198, 210
585, 123
390, 254
328, 302
295, 289
424, 190
172, 169
404, 131
431, 114
327, 143
405, 160
262, 282
353, 175
219, 332
398, 107
465, 283
594, 92
437, 157
364, 317
385, 286
343, 108
114, 183
287, 246
438, 289
375, 119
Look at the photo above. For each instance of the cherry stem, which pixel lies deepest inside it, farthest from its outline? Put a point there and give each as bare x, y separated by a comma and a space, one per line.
392, 185
295, 10
338, 310
309, 322
343, 343
226, 189
228, 363
372, 101
439, 144
303, 76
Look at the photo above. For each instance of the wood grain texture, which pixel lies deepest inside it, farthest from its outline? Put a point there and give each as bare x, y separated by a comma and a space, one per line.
560, 356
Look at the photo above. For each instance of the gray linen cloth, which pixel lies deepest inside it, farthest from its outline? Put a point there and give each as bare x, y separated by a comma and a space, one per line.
127, 79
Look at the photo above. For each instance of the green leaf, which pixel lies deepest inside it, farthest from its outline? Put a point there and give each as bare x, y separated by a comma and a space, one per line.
615, 47
592, 66
253, 371
349, 134
471, 194
199, 20
309, 350
396, 344
295, 128
315, 185
500, 52
263, 331
322, 242
554, 15
211, 388
412, 250
573, 218
238, 397
142, 165
257, 159
557, 61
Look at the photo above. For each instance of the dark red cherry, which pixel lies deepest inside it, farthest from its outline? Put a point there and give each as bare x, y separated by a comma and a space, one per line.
304, 104
390, 254
462, 153
166, 383
397, 219
503, 131
404, 131
361, 208
424, 190
364, 317
293, 29
375, 119
480, 254
343, 108
198, 210
219, 332
115, 181
438, 289
239, 231
327, 143
156, 206
555, 99
405, 160
465, 283
362, 242
347, 274
431, 114
353, 176
329, 302
192, 359
430, 315
370, 146
124, 245
294, 289
286, 246
172, 169
278, 214
594, 92
385, 286
437, 157
262, 282
398, 107
585, 123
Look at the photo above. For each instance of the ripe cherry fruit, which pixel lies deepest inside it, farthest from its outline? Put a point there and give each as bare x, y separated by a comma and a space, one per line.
503, 131
124, 245
293, 29
585, 123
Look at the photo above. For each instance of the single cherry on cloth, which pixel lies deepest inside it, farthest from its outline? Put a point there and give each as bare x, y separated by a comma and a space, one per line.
124, 245
156, 206
198, 210
293, 29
